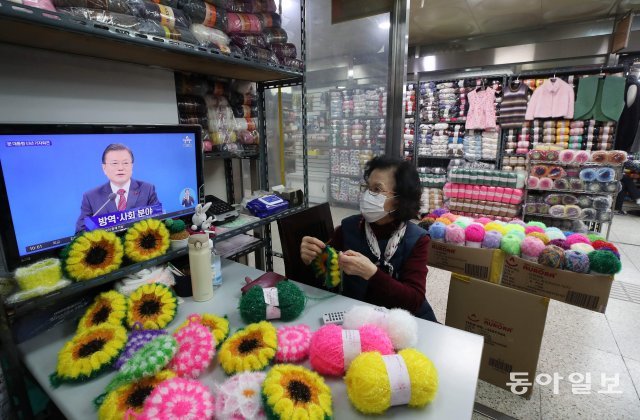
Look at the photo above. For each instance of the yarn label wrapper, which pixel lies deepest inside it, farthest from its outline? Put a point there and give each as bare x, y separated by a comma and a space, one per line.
399, 380
351, 346
272, 301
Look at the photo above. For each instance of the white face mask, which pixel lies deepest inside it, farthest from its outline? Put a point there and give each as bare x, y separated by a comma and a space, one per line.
372, 206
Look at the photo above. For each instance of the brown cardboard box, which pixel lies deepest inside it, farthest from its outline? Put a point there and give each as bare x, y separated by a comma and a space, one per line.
511, 321
583, 290
479, 263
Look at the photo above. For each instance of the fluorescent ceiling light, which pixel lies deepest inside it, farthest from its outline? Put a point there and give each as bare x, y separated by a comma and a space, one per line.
350, 73
342, 87
384, 25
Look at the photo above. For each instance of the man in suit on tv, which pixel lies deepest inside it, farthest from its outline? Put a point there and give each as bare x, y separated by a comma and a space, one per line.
121, 192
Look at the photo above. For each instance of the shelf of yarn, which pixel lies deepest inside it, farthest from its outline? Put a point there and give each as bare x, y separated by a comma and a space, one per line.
568, 206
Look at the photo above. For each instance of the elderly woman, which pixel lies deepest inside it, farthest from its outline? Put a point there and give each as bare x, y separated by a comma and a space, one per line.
383, 254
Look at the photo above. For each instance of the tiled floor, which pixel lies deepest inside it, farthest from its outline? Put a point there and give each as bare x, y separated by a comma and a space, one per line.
575, 341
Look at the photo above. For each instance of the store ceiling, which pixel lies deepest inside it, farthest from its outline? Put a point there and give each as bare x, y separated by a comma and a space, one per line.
437, 21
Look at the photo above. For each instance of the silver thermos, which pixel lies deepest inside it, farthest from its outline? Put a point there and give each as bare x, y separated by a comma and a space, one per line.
200, 266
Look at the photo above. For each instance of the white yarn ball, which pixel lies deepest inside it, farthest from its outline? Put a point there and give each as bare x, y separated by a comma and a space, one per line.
399, 324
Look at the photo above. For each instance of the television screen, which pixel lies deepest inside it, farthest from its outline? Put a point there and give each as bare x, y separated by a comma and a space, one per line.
61, 180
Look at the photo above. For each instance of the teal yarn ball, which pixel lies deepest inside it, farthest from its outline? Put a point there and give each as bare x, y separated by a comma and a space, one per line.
604, 262
510, 244
290, 298
552, 256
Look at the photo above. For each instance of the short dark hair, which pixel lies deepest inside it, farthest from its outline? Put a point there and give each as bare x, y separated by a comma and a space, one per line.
408, 188
113, 147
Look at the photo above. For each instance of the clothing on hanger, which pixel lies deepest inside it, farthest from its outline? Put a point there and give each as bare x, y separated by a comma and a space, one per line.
514, 105
628, 122
482, 111
553, 99
600, 99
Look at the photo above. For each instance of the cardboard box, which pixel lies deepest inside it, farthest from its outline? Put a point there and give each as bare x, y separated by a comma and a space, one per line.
483, 264
584, 290
511, 321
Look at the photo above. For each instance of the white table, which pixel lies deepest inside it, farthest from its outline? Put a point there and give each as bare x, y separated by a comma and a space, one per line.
456, 355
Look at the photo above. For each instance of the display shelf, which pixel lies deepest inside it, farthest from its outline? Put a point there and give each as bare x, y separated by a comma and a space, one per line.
548, 216
232, 155
572, 191
576, 164
37, 28
337, 175
248, 245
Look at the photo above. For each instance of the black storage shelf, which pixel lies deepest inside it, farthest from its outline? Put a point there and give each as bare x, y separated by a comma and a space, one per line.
231, 155
37, 28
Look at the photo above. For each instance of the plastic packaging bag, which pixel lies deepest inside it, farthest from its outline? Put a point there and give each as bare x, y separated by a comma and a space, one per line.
164, 15
243, 22
191, 85
190, 104
210, 37
242, 99
103, 16
270, 20
206, 14
275, 35
244, 111
118, 6
260, 54
292, 62
284, 50
243, 40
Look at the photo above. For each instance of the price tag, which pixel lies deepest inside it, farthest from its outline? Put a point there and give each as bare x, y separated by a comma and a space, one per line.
398, 379
272, 301
351, 346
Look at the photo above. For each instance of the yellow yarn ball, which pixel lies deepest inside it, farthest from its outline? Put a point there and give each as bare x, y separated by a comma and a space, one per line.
444, 220
368, 384
44, 273
495, 226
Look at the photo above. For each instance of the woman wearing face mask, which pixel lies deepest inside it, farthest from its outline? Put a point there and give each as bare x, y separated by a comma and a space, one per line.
383, 254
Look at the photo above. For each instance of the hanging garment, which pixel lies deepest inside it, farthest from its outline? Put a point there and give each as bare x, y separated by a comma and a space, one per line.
600, 99
482, 109
514, 105
628, 123
553, 99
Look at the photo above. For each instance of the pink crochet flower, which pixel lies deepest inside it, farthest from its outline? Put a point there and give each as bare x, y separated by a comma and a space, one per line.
195, 349
178, 398
240, 397
293, 343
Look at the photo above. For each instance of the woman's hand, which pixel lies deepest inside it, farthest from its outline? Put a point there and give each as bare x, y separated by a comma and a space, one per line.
310, 248
356, 264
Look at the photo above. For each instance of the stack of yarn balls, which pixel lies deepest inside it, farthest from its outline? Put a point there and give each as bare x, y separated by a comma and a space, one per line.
533, 241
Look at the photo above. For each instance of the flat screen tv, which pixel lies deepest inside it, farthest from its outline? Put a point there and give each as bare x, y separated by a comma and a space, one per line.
59, 180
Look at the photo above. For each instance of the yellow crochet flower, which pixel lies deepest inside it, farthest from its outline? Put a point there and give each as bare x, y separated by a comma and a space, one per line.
146, 239
152, 305
130, 396
92, 254
108, 308
219, 327
88, 353
249, 349
295, 392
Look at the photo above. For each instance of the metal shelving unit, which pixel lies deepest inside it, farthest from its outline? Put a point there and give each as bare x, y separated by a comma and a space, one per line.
36, 28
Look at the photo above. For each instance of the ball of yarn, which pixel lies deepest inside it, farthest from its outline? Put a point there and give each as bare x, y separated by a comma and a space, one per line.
452, 217
567, 156
439, 212
483, 220
542, 236
582, 156
593, 237
291, 303
582, 248
605, 175
495, 226
605, 246
531, 229
560, 243
368, 385
616, 156
517, 233
327, 355
443, 220
399, 324
552, 155
45, 273
577, 238
552, 256
492, 240
240, 397
510, 244
474, 234
436, 231
293, 343
539, 224
513, 227
576, 262
517, 222
554, 233
533, 182
178, 398
545, 183
604, 262
531, 248
454, 234
599, 156
588, 174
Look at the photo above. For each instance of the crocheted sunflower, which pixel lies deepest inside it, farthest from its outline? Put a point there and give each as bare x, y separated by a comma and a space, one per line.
145, 240
108, 308
291, 391
152, 305
130, 397
88, 353
249, 349
325, 266
219, 326
92, 254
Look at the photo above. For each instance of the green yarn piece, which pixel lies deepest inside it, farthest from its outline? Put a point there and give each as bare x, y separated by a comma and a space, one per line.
595, 237
510, 244
254, 309
175, 226
604, 262
149, 360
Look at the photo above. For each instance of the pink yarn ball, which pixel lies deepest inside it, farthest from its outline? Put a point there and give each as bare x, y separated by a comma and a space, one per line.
240, 397
450, 216
517, 222
530, 229
577, 238
474, 234
178, 398
326, 353
195, 349
483, 220
454, 234
293, 343
531, 247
